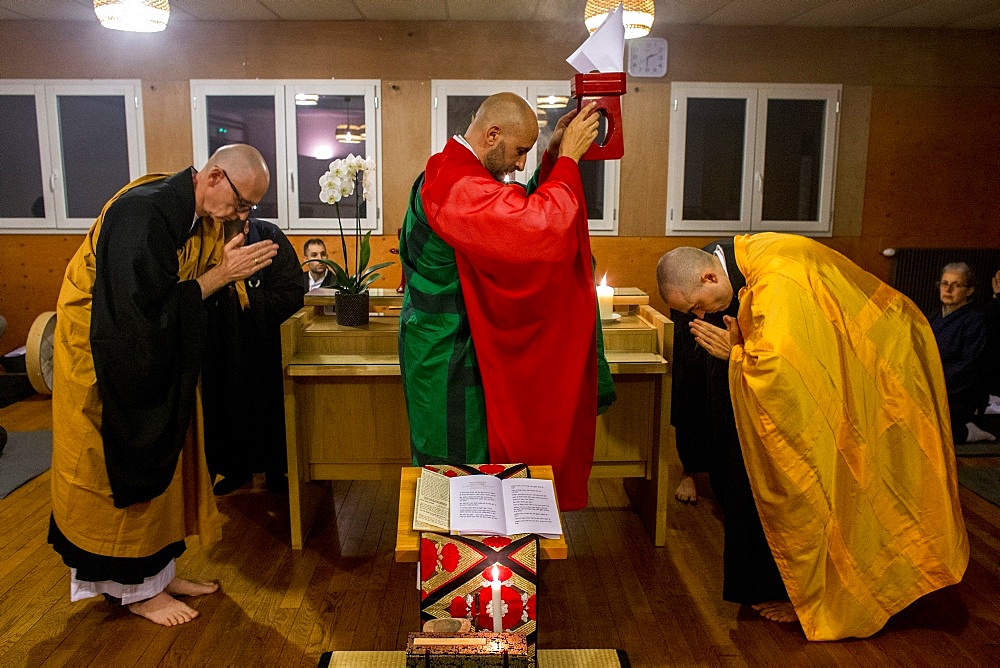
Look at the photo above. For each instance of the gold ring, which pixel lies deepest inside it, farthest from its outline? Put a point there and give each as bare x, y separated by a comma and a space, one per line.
255, 260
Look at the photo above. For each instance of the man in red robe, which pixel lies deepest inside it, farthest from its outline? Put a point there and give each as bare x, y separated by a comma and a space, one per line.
526, 276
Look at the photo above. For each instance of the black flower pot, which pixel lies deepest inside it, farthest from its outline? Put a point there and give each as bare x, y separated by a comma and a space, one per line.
352, 310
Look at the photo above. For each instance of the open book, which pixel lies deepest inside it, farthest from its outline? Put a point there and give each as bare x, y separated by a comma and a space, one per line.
485, 505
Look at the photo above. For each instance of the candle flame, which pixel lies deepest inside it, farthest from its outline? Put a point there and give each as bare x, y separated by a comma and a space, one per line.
604, 280
496, 573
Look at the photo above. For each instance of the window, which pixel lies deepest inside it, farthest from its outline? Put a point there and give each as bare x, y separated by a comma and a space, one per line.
752, 158
68, 147
299, 127
456, 101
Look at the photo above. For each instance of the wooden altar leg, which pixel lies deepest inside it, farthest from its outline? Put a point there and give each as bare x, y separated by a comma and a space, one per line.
303, 496
650, 496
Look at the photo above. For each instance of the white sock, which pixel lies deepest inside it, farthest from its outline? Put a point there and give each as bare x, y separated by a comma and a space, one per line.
977, 435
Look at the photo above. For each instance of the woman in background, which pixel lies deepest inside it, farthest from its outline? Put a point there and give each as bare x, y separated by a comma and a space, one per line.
962, 335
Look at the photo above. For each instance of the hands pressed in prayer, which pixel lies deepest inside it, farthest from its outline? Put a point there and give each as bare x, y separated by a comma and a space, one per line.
238, 263
579, 133
713, 339
735, 334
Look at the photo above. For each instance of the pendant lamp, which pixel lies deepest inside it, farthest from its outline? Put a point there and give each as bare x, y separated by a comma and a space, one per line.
350, 134
638, 15
133, 15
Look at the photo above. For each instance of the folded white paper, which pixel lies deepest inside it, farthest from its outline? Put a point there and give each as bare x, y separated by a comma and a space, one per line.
604, 50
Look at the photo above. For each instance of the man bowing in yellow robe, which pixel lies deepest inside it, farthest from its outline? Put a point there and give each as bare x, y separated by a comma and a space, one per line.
842, 414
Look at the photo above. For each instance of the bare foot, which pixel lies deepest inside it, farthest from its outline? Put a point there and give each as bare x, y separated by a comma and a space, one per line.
687, 490
776, 611
164, 609
182, 587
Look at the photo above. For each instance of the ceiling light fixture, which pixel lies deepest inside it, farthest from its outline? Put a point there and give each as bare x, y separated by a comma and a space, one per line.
350, 134
638, 16
552, 101
133, 15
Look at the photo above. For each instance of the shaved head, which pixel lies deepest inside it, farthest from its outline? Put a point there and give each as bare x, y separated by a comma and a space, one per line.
680, 269
508, 111
241, 161
502, 133
693, 281
233, 180
245, 166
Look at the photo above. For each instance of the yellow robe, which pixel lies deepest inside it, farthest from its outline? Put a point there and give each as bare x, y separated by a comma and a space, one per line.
82, 504
842, 413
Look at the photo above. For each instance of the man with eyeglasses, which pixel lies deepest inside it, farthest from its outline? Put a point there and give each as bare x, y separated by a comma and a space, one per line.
962, 335
129, 480
840, 407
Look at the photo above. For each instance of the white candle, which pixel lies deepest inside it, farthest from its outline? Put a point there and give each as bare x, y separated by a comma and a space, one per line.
497, 602
606, 299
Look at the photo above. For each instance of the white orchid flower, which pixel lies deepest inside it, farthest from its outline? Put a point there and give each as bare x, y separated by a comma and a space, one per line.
338, 168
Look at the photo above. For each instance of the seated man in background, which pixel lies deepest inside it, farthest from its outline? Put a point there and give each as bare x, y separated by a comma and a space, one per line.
962, 335
317, 274
839, 402
242, 391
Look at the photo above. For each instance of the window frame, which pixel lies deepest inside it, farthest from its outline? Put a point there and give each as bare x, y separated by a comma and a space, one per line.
531, 90
756, 97
286, 178
47, 93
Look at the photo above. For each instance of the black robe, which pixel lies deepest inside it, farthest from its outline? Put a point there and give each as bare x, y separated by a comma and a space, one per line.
242, 392
147, 334
702, 414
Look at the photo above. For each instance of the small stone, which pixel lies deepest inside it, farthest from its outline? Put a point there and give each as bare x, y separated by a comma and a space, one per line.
447, 625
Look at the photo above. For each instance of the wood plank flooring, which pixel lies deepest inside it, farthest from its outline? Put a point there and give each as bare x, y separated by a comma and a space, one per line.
344, 591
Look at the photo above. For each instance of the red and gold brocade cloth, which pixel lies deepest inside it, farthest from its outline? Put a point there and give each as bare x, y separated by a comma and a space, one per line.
456, 571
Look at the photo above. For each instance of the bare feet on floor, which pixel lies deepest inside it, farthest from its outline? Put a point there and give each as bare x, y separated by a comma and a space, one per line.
776, 611
164, 609
687, 491
182, 587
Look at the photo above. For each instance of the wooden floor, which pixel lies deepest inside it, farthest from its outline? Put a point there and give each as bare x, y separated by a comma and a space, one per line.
344, 592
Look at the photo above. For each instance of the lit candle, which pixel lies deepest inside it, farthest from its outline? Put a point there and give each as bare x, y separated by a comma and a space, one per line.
606, 299
497, 602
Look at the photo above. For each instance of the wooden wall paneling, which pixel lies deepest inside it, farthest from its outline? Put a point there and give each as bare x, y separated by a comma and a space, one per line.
406, 145
852, 156
167, 104
31, 273
643, 180
922, 167
933, 160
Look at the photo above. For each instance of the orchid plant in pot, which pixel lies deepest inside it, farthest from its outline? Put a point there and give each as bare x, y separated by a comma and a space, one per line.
348, 176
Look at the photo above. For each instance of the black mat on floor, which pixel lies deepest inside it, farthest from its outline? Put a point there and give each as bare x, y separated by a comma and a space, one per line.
983, 480
977, 449
28, 454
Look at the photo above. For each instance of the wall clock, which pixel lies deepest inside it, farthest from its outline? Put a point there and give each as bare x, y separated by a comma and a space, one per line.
647, 57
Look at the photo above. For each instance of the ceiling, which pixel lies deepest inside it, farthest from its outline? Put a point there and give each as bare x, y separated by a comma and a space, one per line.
963, 14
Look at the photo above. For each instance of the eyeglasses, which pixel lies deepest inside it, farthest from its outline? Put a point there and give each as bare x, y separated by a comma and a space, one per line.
242, 206
945, 285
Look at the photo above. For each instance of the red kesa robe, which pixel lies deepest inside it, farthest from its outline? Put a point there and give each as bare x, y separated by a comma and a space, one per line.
525, 267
